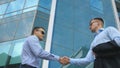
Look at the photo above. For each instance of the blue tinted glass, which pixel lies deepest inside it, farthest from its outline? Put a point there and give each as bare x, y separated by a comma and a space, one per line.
16, 26
61, 50
45, 3
1, 16
62, 35
29, 9
15, 5
4, 48
96, 5
44, 10
12, 14
24, 27
3, 30
41, 21
30, 3
15, 56
5, 1
71, 27
11, 29
3, 8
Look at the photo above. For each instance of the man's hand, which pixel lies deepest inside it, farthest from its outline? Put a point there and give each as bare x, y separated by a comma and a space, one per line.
64, 60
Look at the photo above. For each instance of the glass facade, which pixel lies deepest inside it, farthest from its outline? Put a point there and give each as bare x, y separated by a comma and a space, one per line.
17, 18
71, 35
118, 7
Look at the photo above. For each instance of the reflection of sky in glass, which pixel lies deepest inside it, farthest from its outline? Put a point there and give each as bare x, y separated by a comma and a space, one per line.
13, 13
45, 3
43, 10
30, 3
5, 1
18, 48
97, 5
15, 5
4, 47
3, 32
30, 9
44, 6
3, 8
1, 16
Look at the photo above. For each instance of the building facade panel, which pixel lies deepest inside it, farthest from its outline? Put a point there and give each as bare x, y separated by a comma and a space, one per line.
71, 27
71, 35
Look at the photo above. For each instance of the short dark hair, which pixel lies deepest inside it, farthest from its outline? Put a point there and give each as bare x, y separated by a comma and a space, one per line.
98, 18
36, 28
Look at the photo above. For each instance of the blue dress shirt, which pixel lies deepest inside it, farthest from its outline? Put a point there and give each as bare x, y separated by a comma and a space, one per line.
102, 36
32, 52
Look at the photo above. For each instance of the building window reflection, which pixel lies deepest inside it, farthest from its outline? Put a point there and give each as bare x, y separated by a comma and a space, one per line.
3, 8
4, 50
15, 5
97, 5
15, 56
30, 3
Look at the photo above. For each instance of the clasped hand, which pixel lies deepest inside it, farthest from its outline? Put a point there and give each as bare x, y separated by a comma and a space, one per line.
64, 60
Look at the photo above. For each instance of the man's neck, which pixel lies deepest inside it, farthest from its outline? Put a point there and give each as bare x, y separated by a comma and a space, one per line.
99, 30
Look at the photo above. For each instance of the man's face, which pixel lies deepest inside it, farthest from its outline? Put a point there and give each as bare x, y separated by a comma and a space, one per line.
94, 25
40, 33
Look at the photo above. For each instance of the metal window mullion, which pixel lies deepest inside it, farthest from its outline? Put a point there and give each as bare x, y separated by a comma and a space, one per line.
50, 31
6, 9
116, 14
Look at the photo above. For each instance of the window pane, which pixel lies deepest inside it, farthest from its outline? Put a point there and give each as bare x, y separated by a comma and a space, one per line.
5, 1
11, 29
3, 33
12, 14
1, 16
45, 3
4, 48
96, 5
15, 5
44, 10
30, 3
15, 57
24, 27
29, 9
45, 6
3, 8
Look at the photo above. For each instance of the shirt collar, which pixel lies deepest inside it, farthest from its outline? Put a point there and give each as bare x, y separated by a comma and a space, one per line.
99, 31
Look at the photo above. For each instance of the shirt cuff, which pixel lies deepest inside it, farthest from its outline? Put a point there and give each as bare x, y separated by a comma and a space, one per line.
56, 57
71, 61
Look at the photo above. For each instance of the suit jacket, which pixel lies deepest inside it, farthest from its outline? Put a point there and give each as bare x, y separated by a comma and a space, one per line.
107, 55
108, 49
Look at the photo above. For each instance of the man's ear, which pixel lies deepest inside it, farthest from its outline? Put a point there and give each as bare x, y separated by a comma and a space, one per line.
35, 31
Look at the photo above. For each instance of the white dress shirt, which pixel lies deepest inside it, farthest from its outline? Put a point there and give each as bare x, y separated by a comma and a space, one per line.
102, 36
32, 52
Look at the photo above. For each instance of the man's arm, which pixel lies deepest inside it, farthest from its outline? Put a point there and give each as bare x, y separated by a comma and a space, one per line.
80, 61
83, 61
38, 51
114, 34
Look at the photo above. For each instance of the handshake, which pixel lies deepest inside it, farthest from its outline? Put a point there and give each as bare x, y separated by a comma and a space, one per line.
64, 60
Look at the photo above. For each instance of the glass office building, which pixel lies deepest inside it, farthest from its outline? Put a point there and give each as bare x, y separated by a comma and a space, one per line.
66, 23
